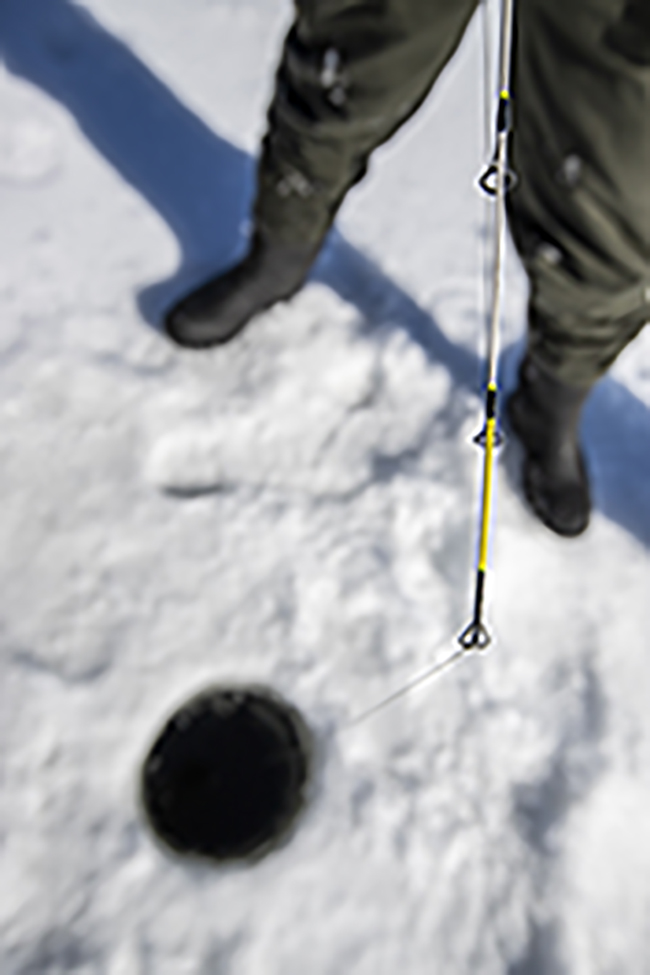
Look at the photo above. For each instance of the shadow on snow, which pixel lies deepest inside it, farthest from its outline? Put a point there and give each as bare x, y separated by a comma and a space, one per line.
202, 187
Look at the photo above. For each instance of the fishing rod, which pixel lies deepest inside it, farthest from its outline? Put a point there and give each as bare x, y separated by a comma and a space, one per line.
496, 181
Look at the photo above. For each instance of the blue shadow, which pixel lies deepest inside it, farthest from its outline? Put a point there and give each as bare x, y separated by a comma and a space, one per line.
200, 184
202, 187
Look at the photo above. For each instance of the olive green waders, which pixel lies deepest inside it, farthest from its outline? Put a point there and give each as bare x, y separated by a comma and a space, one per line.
353, 71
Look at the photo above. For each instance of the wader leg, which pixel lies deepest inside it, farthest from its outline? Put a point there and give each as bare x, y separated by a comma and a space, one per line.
352, 72
580, 215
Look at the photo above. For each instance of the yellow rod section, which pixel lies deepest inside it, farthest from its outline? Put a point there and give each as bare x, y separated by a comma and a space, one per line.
487, 494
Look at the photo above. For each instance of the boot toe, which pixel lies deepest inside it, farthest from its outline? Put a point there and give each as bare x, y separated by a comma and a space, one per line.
564, 507
215, 312
178, 326
208, 316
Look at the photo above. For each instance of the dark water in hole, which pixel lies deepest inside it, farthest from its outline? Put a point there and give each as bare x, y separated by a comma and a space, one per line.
226, 777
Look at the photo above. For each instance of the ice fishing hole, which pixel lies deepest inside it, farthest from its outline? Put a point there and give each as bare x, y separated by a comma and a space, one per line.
227, 776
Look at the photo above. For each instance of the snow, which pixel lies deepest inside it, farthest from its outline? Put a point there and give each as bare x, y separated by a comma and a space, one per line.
298, 509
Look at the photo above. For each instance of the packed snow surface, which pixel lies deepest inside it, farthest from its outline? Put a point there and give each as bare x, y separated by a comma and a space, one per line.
295, 509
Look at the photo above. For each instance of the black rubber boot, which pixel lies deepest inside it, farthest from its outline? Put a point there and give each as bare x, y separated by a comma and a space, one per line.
215, 312
544, 413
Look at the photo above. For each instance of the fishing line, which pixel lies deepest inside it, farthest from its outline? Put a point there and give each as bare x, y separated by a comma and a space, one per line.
405, 689
497, 179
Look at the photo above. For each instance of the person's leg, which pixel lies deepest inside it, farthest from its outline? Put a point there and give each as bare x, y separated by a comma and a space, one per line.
352, 72
580, 217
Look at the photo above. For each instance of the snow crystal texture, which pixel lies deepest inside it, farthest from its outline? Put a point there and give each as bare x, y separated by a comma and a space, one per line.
297, 509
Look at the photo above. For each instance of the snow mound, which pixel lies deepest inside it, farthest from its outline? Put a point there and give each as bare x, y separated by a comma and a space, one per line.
336, 403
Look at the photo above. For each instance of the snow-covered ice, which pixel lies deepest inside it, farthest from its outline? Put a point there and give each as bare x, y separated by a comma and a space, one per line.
297, 509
